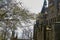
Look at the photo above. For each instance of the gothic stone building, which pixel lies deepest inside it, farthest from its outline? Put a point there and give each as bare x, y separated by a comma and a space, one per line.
47, 27
54, 19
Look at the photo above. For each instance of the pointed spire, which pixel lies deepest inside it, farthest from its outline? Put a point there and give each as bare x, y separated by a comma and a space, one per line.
45, 3
44, 6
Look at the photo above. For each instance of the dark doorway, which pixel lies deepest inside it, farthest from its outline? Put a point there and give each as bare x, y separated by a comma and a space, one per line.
57, 31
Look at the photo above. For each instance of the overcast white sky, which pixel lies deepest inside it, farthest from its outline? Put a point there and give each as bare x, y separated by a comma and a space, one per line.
34, 6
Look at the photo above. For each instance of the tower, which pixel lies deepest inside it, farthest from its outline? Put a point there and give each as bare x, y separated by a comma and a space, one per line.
39, 30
